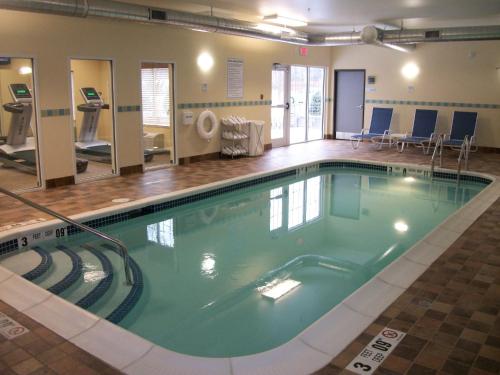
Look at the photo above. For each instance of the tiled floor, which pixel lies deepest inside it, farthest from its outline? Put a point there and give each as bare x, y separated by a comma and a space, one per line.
451, 314
41, 351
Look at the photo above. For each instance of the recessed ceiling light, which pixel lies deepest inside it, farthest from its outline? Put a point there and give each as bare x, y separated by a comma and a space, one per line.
280, 20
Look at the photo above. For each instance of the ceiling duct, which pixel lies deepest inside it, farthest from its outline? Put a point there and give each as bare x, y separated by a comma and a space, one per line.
132, 12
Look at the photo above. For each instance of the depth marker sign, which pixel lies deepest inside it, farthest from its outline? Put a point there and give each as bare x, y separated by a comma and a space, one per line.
376, 351
9, 328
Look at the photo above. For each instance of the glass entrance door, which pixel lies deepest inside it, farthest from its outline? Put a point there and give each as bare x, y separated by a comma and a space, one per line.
279, 106
315, 105
298, 104
297, 111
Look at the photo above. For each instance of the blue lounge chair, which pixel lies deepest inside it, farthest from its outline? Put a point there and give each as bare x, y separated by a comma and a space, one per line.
463, 126
424, 124
379, 128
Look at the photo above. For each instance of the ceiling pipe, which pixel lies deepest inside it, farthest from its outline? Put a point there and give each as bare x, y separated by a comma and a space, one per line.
132, 12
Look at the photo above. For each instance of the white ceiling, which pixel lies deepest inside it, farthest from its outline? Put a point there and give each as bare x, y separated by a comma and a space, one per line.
344, 15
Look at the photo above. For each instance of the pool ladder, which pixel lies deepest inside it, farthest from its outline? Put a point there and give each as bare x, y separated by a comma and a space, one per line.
463, 156
82, 227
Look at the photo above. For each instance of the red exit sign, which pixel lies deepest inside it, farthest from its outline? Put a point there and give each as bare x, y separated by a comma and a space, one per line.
303, 51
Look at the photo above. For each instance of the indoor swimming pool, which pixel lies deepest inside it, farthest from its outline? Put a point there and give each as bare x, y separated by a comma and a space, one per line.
244, 270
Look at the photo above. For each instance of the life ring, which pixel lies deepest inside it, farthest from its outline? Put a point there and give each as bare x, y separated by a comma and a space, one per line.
214, 125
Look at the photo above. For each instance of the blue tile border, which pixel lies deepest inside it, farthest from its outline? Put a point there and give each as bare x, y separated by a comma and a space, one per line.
241, 103
432, 104
129, 108
55, 112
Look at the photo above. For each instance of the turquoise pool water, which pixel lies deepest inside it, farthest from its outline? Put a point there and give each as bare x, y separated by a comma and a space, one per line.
206, 264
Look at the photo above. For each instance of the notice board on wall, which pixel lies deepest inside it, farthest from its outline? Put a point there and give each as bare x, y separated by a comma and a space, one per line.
234, 78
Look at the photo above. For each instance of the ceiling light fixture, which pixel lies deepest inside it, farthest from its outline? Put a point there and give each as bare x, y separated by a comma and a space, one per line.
406, 49
280, 20
274, 29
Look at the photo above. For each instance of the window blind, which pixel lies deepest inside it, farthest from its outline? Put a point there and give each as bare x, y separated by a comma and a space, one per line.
155, 96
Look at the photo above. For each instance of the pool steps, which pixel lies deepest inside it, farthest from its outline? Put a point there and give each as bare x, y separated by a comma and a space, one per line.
68, 272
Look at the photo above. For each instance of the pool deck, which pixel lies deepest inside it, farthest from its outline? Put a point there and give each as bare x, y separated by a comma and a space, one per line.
451, 314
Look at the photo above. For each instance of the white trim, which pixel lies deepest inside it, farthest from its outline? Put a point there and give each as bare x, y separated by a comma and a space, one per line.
309, 351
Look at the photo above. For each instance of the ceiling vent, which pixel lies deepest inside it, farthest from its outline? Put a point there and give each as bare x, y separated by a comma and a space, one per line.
432, 34
157, 15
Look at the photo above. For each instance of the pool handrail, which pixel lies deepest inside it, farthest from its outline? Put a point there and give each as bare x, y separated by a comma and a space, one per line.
437, 146
464, 155
82, 227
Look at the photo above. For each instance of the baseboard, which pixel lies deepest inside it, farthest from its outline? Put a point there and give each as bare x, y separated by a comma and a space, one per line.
489, 150
268, 146
131, 169
328, 136
60, 181
193, 159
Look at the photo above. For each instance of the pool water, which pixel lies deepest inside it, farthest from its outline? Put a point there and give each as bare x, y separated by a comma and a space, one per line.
207, 264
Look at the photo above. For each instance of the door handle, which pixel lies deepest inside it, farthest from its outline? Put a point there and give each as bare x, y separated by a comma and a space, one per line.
360, 106
287, 106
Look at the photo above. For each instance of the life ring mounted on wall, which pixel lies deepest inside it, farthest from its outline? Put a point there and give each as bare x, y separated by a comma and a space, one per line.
214, 125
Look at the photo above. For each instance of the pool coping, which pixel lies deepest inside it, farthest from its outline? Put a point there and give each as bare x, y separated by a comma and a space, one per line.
310, 350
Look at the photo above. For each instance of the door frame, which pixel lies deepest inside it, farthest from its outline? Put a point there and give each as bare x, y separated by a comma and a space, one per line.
115, 165
335, 96
173, 89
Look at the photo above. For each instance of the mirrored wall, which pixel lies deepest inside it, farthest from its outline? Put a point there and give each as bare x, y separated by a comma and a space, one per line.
19, 165
93, 118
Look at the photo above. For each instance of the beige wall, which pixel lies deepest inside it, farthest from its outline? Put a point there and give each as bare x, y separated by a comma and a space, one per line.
460, 72
129, 44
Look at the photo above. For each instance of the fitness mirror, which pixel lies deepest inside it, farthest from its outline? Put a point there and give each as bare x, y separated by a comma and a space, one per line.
93, 118
19, 166
157, 114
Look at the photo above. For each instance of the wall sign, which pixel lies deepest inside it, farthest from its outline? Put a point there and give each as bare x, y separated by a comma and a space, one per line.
376, 351
235, 78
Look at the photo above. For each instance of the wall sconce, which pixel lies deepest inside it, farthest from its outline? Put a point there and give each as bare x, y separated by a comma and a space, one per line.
205, 61
25, 70
410, 71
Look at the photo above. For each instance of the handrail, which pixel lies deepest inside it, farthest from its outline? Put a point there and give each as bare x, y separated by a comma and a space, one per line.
83, 227
464, 155
439, 144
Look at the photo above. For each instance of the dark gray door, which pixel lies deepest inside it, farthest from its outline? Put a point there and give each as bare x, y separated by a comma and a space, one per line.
349, 102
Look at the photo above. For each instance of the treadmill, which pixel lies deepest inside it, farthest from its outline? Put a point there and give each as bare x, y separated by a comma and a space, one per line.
87, 146
19, 150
